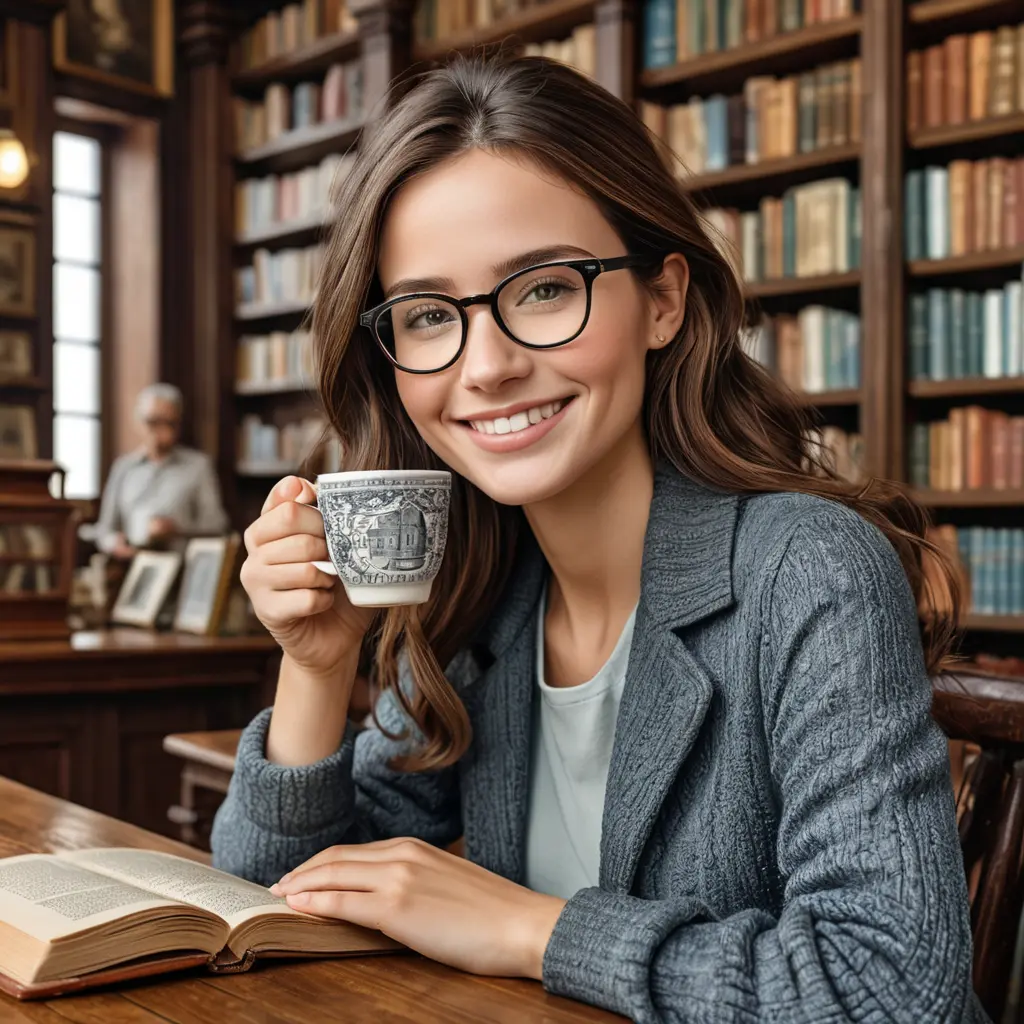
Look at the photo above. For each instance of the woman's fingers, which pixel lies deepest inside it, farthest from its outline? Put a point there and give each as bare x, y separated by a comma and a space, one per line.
381, 849
291, 488
299, 547
362, 908
284, 520
361, 876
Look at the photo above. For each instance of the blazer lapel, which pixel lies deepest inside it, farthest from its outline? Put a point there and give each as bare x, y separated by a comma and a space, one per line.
686, 576
495, 770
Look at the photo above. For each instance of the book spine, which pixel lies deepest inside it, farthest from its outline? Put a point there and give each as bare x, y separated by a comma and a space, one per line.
958, 333
659, 33
938, 333
914, 215
975, 335
937, 212
919, 367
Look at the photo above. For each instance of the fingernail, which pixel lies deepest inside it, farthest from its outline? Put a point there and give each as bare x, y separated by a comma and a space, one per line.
276, 889
300, 898
284, 878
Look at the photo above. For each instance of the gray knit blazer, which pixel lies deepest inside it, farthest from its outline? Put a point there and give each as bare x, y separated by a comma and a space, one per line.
779, 839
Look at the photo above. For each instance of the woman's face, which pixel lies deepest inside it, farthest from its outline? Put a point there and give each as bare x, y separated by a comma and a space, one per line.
462, 226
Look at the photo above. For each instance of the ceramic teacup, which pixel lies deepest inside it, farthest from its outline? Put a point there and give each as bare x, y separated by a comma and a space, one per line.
386, 532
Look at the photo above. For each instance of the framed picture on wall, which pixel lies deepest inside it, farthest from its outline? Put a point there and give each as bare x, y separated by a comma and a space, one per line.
126, 43
18, 432
17, 271
15, 355
209, 569
146, 587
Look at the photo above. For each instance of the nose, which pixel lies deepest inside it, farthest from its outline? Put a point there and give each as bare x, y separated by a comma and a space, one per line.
490, 358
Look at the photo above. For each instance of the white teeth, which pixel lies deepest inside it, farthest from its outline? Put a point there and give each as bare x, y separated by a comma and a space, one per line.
519, 421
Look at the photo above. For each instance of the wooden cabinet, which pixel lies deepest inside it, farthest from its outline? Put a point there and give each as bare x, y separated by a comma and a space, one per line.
85, 719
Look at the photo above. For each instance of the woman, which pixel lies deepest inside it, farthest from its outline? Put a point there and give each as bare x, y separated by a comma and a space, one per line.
684, 720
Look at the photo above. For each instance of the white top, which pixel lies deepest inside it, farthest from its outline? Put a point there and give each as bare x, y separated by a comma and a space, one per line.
571, 752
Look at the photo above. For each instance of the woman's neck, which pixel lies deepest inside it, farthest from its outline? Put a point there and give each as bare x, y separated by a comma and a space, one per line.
592, 536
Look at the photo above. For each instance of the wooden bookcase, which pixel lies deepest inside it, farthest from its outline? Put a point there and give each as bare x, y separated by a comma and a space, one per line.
881, 33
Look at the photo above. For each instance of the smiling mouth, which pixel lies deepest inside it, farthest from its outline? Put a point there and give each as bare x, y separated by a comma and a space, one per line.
521, 420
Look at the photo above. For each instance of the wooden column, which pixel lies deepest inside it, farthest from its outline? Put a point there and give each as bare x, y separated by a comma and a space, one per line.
616, 25
208, 350
882, 312
385, 29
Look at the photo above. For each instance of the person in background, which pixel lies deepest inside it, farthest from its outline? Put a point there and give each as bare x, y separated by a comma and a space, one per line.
162, 492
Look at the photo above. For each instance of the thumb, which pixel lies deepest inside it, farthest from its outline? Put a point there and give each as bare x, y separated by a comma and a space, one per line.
291, 488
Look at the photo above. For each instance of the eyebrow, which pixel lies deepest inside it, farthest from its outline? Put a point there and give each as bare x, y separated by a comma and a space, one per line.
501, 270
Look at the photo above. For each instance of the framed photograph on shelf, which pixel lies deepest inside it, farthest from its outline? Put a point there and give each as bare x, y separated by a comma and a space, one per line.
125, 43
209, 570
17, 271
146, 588
18, 432
15, 355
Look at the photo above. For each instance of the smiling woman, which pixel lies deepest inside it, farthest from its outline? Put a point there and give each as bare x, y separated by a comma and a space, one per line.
670, 684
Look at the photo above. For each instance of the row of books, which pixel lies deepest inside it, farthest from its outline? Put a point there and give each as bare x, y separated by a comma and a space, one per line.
813, 229
277, 200
26, 539
281, 357
438, 19
990, 561
972, 449
285, 109
966, 78
817, 350
579, 50
771, 120
840, 451
955, 334
968, 206
285, 276
27, 578
676, 30
280, 33
291, 444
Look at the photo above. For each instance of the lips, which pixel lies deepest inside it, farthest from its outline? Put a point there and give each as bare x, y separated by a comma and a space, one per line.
518, 421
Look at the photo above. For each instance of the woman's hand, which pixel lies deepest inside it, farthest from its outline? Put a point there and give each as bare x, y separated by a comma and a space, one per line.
305, 610
434, 902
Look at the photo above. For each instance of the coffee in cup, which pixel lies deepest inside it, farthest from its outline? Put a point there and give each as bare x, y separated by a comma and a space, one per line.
386, 532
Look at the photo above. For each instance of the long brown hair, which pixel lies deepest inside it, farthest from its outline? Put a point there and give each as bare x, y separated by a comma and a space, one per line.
709, 410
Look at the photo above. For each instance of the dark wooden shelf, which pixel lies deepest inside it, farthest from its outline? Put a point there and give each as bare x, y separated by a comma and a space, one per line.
305, 63
978, 497
266, 469
994, 623
270, 310
966, 387
272, 387
23, 384
801, 285
960, 15
992, 259
535, 24
301, 229
838, 397
302, 146
774, 174
726, 70
969, 131
9, 559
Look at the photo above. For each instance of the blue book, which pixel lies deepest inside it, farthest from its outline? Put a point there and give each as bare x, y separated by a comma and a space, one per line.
1017, 571
1001, 602
716, 117
989, 546
696, 33
659, 33
919, 460
936, 210
851, 352
913, 215
938, 333
835, 349
918, 336
978, 576
957, 333
975, 334
789, 234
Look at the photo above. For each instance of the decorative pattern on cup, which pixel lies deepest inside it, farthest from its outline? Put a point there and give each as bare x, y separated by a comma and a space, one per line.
385, 529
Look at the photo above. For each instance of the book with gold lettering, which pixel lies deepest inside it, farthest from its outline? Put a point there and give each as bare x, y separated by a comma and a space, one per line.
71, 921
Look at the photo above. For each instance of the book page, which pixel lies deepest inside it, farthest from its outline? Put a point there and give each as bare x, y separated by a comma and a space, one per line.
230, 898
47, 897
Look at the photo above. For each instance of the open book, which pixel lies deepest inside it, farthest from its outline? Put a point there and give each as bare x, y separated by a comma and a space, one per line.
73, 920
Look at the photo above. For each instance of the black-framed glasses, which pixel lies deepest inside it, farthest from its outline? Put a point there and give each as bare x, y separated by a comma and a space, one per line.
540, 307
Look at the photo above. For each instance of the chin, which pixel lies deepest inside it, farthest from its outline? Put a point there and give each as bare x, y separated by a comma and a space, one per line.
522, 482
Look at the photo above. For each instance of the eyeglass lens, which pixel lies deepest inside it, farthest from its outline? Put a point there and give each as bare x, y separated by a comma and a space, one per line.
544, 306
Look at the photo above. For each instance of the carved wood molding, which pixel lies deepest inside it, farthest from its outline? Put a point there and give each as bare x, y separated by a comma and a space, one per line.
40, 12
379, 17
206, 27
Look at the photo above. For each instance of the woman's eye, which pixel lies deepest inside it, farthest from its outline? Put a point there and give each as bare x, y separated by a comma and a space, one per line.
546, 291
427, 319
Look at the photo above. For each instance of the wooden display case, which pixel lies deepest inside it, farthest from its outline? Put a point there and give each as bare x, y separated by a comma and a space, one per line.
37, 534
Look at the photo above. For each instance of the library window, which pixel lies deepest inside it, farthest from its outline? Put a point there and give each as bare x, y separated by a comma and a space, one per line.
77, 320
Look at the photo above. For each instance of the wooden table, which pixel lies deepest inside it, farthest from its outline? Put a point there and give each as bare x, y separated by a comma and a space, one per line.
85, 719
400, 988
209, 764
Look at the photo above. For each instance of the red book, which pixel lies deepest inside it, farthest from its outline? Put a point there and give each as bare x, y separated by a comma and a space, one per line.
915, 91
1017, 452
999, 424
1011, 200
956, 79
934, 87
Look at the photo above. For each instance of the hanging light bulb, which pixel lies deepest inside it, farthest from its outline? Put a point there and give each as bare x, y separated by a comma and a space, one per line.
13, 160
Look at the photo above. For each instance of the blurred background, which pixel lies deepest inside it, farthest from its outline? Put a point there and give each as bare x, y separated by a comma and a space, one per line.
165, 169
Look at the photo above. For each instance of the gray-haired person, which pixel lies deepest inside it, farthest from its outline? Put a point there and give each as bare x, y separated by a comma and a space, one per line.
162, 491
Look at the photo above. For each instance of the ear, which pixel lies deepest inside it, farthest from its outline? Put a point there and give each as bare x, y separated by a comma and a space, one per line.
668, 301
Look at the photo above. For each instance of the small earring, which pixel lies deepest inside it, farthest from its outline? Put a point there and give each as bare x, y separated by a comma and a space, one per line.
660, 338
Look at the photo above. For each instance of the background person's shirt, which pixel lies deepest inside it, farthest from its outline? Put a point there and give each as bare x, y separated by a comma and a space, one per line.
574, 729
182, 486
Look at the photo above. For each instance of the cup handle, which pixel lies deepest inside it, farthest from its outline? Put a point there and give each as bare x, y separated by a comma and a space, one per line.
327, 567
